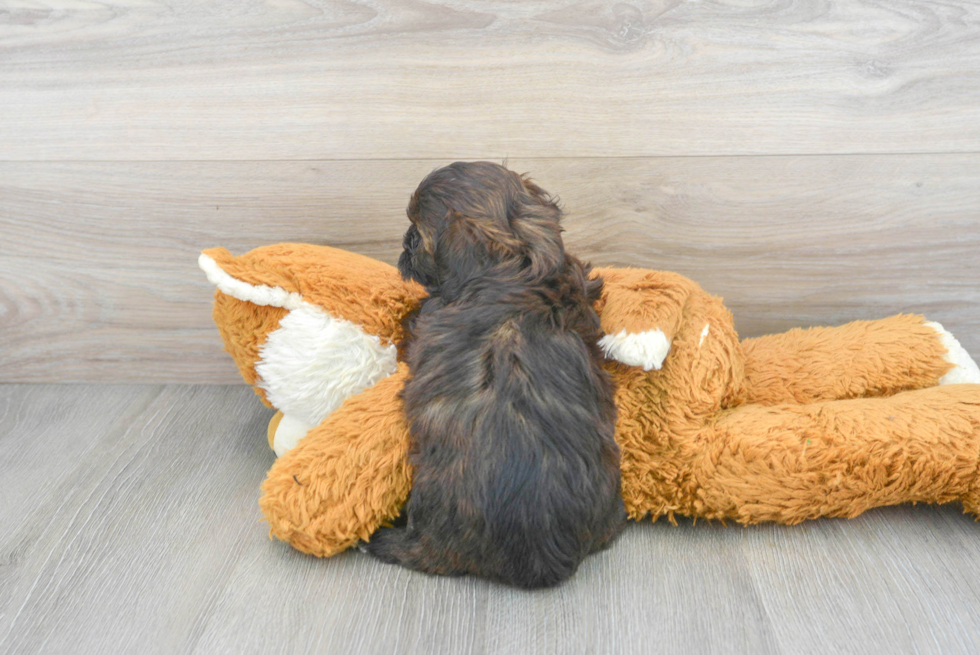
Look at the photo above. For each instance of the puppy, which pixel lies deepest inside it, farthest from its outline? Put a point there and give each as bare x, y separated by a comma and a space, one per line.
516, 473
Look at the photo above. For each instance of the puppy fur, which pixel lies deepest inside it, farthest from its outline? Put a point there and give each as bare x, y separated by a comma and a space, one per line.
516, 472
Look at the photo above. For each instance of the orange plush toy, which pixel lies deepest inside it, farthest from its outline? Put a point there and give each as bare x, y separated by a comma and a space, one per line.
818, 422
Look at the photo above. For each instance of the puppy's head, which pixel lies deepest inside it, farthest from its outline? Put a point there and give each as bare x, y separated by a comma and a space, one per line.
470, 217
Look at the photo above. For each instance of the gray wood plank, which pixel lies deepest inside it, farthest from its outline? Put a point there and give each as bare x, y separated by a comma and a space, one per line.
659, 589
98, 275
896, 580
692, 584
474, 78
151, 543
891, 581
45, 432
135, 548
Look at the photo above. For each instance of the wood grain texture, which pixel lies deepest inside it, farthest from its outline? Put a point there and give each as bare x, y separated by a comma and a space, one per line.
354, 79
881, 573
658, 590
99, 282
149, 541
147, 526
45, 433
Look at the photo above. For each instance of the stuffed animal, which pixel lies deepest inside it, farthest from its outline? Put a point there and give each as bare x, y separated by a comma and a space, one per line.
827, 421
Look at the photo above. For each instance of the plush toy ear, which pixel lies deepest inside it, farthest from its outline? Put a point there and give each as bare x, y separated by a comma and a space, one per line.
640, 312
352, 287
308, 326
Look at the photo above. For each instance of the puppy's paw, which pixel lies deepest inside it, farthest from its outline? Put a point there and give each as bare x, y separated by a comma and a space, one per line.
965, 370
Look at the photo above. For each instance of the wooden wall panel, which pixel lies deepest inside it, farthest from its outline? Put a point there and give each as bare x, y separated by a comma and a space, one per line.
99, 282
403, 79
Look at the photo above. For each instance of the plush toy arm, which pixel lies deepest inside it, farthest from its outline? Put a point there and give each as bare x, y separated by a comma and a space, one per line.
640, 312
860, 359
346, 478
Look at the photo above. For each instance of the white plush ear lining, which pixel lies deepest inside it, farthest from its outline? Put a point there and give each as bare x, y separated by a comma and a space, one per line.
258, 294
965, 370
645, 349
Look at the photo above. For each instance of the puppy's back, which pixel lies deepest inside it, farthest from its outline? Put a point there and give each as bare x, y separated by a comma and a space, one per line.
517, 471
553, 494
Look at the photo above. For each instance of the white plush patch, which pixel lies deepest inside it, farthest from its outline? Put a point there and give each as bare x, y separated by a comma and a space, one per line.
965, 370
704, 333
645, 349
260, 294
312, 362
288, 433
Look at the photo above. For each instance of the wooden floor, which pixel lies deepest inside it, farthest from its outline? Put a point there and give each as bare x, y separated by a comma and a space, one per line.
129, 524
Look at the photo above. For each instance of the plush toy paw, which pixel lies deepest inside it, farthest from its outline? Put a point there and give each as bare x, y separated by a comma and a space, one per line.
285, 432
965, 370
647, 349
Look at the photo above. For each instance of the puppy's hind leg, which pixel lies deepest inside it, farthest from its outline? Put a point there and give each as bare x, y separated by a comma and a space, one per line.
617, 523
393, 545
403, 546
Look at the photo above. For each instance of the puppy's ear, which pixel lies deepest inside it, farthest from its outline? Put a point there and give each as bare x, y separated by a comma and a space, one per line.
536, 222
428, 238
469, 246
483, 236
426, 229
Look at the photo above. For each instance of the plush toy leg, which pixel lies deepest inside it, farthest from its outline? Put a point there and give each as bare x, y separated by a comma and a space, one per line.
347, 477
858, 360
788, 463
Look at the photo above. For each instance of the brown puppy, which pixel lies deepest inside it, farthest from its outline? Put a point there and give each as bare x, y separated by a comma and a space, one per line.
516, 473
